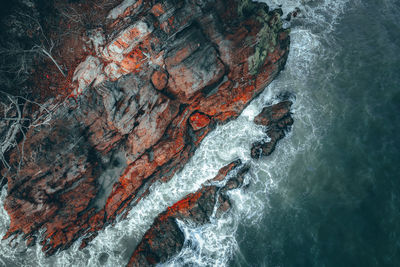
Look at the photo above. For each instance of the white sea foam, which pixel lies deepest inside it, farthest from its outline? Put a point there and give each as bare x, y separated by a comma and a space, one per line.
214, 244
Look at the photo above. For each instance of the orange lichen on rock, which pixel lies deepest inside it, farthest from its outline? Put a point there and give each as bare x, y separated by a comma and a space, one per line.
126, 41
125, 9
157, 10
181, 206
198, 121
133, 60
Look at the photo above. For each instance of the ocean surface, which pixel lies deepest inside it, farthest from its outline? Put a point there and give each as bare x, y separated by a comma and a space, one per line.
330, 193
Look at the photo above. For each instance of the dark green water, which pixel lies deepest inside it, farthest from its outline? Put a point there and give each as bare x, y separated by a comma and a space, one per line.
339, 203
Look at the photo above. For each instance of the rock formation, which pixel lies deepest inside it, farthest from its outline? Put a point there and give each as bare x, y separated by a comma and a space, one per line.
164, 239
277, 118
159, 77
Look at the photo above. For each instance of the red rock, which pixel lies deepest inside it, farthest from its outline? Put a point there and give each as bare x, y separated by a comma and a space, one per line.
157, 10
127, 127
159, 80
273, 114
278, 120
192, 64
198, 121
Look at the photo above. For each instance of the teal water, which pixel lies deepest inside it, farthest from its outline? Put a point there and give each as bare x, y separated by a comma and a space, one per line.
338, 201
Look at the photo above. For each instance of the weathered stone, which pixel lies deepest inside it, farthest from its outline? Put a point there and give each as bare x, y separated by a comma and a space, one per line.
193, 65
88, 72
164, 238
199, 121
159, 79
127, 6
135, 124
278, 119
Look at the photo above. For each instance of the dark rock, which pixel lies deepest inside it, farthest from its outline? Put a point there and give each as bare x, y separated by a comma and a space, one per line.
164, 239
278, 120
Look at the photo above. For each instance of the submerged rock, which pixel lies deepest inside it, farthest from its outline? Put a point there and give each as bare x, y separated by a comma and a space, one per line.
158, 80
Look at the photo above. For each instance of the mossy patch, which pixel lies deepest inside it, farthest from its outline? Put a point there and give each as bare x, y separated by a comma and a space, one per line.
246, 7
267, 38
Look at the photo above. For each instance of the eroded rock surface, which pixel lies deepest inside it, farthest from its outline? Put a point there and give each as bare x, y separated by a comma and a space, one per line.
164, 239
277, 118
161, 75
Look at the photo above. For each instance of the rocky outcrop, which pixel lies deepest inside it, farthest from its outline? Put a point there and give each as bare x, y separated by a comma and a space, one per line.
159, 78
277, 118
164, 239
